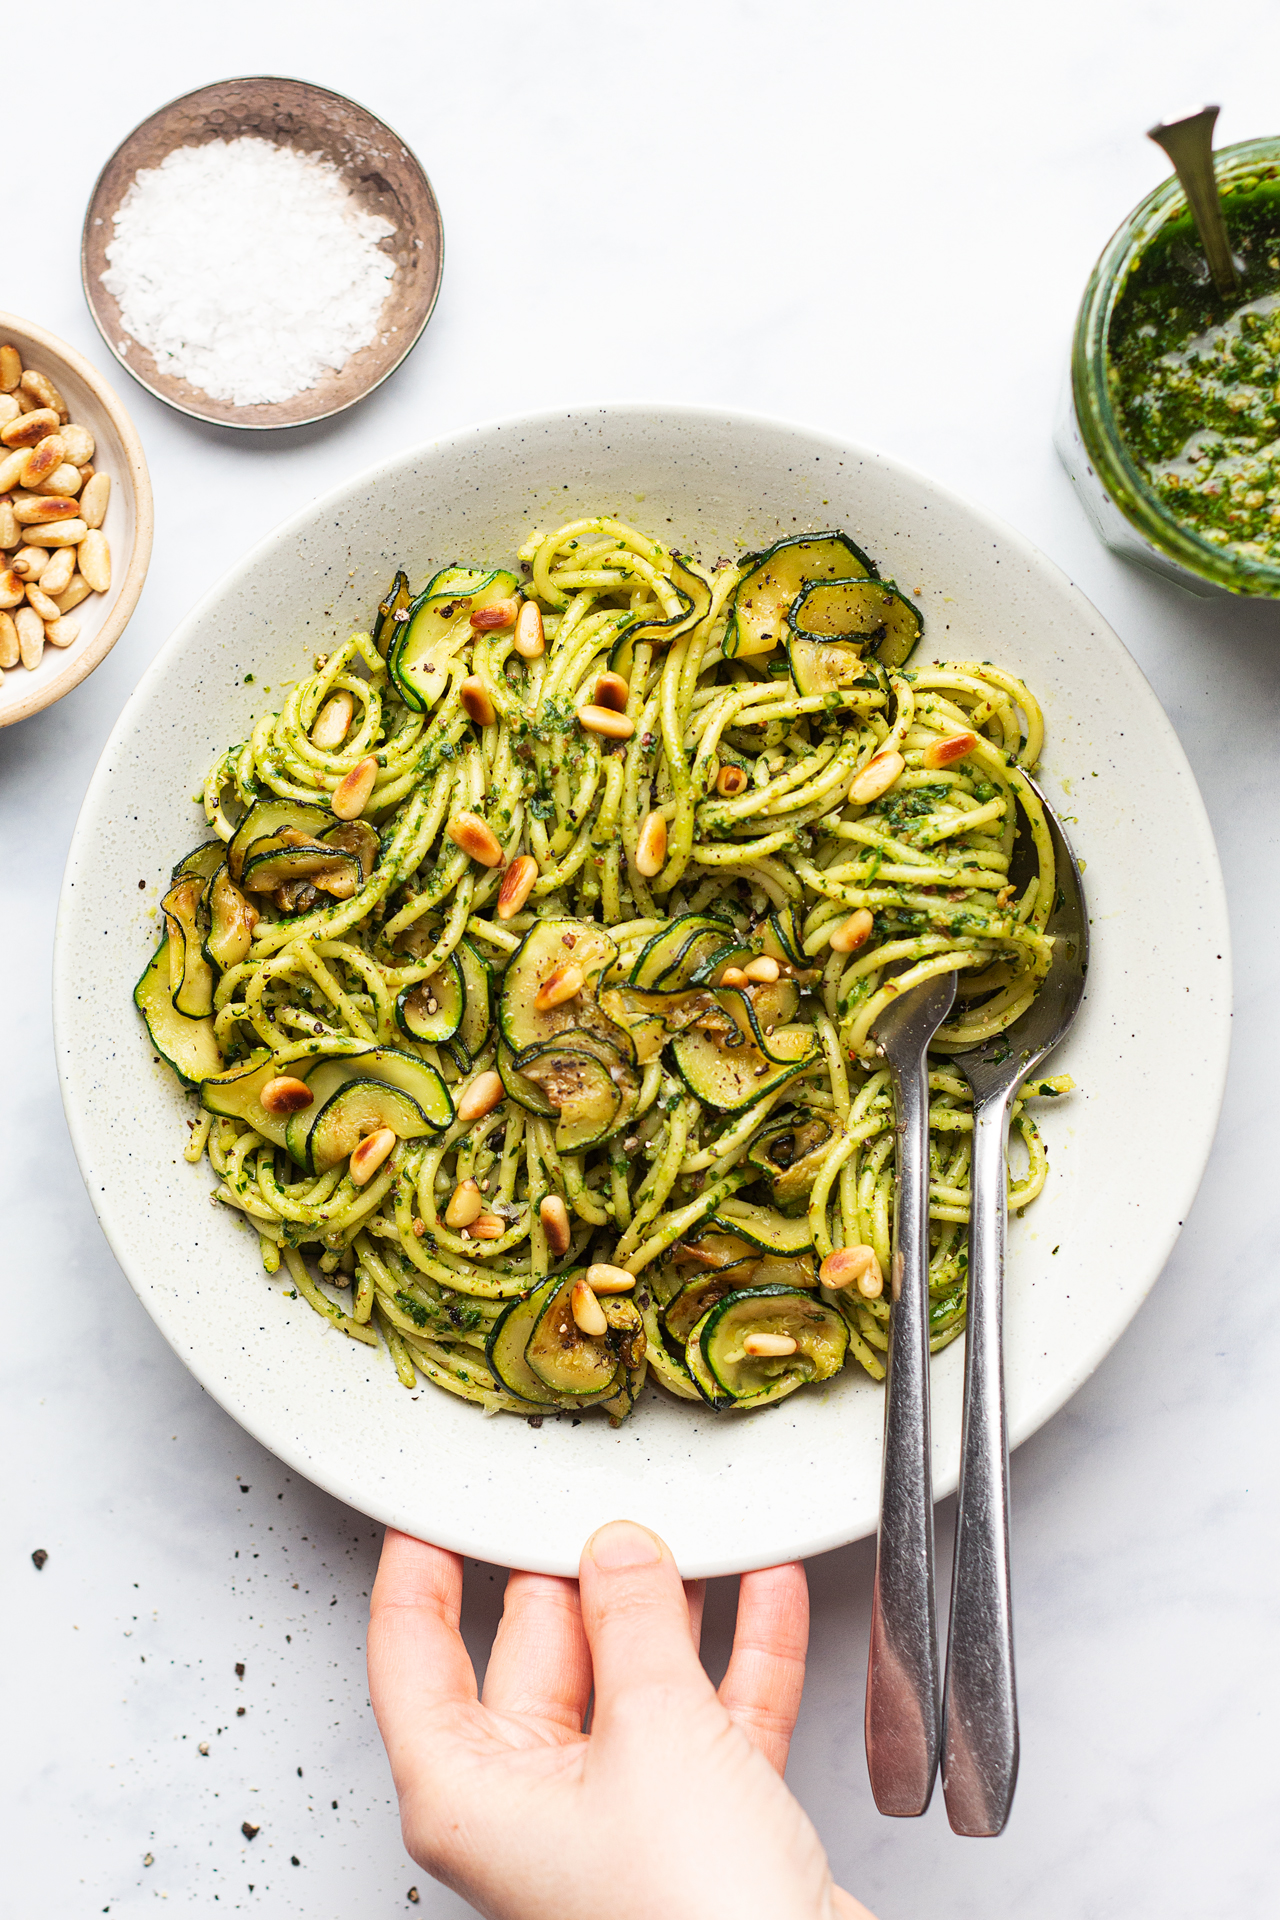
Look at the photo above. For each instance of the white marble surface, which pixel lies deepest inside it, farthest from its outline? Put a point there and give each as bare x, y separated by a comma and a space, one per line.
878, 221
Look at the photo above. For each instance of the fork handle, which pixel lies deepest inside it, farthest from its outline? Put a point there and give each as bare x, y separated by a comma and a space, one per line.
980, 1712
902, 1722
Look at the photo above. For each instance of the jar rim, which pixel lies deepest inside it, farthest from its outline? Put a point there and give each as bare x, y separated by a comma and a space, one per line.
1091, 392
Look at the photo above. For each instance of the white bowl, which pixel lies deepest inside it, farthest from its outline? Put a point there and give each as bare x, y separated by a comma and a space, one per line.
103, 617
728, 1491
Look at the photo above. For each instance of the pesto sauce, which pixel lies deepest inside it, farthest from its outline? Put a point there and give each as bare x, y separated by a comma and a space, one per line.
1195, 377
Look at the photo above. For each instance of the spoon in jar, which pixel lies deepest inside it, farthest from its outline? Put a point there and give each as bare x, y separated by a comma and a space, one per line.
980, 1714
1189, 144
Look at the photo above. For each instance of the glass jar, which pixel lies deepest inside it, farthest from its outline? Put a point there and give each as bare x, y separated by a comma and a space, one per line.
1128, 516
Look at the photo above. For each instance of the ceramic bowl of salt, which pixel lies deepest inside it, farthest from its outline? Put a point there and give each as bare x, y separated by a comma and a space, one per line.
262, 253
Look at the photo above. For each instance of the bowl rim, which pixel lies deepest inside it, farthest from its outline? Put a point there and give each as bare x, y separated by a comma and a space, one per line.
195, 413
347, 1484
81, 661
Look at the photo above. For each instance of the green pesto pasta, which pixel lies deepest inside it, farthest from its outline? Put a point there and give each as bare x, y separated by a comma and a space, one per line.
529, 982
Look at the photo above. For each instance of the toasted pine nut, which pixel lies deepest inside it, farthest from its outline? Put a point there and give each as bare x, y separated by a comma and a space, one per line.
13, 588
768, 1346
43, 459
42, 390
30, 635
488, 1226
285, 1094
852, 933
78, 442
466, 1203
602, 1278
93, 501
94, 561
651, 845
554, 1216
60, 533
29, 562
853, 1267
65, 480
614, 726
10, 652
483, 1094
55, 574
11, 465
731, 780
611, 690
517, 885
37, 598
78, 590
564, 984
351, 795
588, 1314
10, 368
61, 632
503, 613
10, 531
763, 968
9, 409
333, 720
33, 509
530, 641
875, 778
476, 703
370, 1154
29, 427
942, 753
476, 838
734, 977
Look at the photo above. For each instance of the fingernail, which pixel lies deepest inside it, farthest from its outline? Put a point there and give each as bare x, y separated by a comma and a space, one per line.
623, 1544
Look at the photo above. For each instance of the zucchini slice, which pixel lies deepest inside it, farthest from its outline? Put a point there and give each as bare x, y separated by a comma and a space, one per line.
477, 996
505, 1347
699, 1295
731, 1076
827, 667
289, 856
820, 1332
694, 590
782, 937
204, 860
581, 1091
235, 1092
568, 1361
191, 976
870, 614
269, 817
432, 1010
188, 1045
388, 1066
523, 1091
790, 1155
668, 960
231, 922
360, 840
396, 601
758, 620
765, 1228
547, 947
344, 1111
643, 1024
439, 626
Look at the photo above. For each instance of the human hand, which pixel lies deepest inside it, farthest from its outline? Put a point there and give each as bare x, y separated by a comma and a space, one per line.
673, 1805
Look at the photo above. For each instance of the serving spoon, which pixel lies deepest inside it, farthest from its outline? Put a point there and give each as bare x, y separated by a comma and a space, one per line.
1189, 144
980, 1714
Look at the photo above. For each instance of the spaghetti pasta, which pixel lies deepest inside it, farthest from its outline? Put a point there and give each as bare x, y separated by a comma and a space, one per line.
654, 1058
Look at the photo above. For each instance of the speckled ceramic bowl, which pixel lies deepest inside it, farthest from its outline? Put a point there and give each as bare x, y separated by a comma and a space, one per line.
727, 1491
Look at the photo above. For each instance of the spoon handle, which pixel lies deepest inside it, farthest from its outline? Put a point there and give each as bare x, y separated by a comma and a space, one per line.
902, 1724
980, 1713
1189, 144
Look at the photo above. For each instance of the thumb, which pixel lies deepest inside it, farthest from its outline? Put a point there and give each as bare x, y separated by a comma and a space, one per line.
636, 1617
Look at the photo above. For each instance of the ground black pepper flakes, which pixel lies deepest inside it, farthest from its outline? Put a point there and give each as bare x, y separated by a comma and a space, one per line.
249, 1829
38, 1558
239, 1669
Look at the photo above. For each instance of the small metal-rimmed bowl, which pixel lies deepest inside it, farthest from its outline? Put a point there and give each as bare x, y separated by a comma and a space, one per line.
385, 178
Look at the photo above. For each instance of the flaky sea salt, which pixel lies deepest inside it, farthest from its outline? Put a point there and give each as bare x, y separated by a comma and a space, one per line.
247, 269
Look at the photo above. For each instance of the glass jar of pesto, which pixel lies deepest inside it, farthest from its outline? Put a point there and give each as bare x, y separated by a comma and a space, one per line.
1172, 428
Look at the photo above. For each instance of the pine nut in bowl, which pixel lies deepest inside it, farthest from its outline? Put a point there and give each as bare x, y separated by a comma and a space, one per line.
324, 310
75, 536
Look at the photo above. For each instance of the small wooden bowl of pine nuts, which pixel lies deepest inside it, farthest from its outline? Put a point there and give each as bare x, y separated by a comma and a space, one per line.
83, 478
